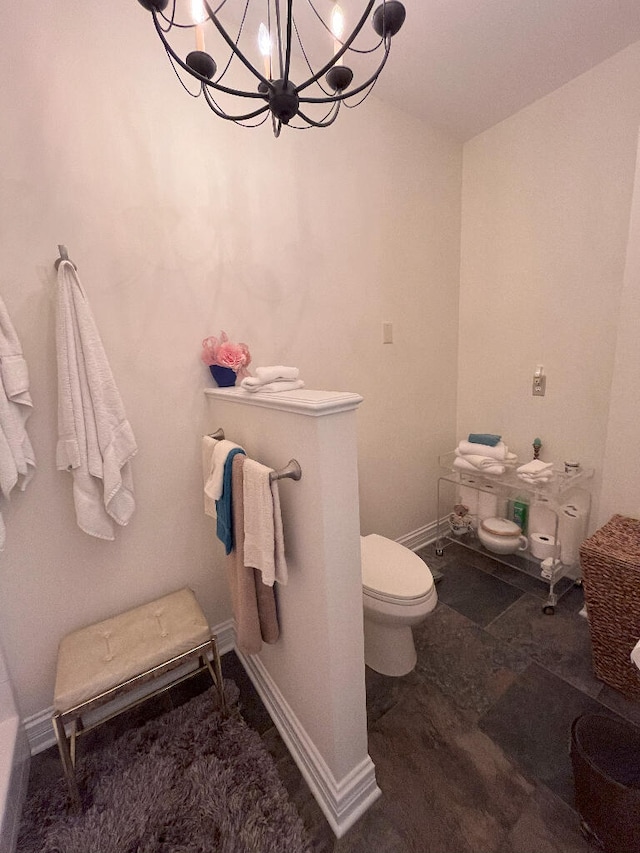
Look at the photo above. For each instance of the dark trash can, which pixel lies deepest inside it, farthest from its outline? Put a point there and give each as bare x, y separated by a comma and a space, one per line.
605, 756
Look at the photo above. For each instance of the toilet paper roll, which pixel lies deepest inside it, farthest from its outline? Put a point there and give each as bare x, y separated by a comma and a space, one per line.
572, 528
542, 545
542, 519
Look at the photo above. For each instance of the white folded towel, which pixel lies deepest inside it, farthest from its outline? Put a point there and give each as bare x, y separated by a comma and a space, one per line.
214, 455
461, 463
272, 387
535, 478
535, 467
263, 534
275, 378
277, 371
479, 462
499, 452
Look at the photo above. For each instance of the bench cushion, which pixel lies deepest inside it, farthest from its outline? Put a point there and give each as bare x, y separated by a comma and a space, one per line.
94, 659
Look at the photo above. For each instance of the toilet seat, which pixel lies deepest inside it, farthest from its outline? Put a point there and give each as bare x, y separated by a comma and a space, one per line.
393, 573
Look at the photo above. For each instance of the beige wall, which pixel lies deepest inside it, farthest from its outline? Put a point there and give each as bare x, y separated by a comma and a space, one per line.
545, 227
182, 225
621, 465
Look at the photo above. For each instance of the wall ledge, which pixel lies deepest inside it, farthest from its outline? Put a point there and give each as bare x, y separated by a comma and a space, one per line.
303, 402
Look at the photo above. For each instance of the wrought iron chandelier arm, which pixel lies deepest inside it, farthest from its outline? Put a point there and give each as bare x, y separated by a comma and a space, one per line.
345, 47
234, 47
328, 120
216, 109
287, 58
341, 96
193, 73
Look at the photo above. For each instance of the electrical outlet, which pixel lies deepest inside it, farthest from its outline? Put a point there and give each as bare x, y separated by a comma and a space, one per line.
539, 386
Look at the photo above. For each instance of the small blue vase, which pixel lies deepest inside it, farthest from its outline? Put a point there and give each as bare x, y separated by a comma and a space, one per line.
224, 376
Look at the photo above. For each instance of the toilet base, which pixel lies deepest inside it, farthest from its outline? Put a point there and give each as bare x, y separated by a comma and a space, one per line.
389, 650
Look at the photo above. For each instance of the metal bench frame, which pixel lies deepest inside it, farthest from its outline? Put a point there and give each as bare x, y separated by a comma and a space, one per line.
73, 716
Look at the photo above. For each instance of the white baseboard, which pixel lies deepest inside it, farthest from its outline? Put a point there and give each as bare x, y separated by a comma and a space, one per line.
420, 537
342, 801
40, 731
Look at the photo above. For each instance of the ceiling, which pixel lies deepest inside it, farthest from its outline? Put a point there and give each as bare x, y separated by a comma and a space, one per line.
464, 65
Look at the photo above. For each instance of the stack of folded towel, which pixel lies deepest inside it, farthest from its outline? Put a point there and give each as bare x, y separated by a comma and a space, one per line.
483, 453
536, 471
274, 378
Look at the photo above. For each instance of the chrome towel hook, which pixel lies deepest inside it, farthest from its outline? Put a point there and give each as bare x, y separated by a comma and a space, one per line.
64, 256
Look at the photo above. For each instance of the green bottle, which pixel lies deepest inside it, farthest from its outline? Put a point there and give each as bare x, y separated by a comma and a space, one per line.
519, 512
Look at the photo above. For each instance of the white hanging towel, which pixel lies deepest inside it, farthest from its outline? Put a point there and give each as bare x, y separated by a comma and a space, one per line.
17, 459
263, 533
95, 439
214, 456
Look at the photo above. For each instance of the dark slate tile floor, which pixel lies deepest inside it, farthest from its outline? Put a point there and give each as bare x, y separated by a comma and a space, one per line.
472, 748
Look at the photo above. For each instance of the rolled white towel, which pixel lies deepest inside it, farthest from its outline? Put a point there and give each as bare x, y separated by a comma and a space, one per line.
273, 387
251, 383
536, 466
498, 452
461, 463
277, 371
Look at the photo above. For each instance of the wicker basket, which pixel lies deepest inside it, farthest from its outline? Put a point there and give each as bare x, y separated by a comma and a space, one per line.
610, 562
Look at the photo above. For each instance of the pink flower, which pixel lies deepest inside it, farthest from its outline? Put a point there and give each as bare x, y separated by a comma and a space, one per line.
226, 354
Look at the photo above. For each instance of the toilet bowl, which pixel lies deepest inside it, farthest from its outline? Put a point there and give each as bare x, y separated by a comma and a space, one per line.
397, 592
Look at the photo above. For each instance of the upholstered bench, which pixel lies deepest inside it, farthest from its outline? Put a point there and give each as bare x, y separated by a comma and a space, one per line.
110, 658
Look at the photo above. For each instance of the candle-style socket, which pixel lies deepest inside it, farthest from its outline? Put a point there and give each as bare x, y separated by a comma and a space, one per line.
201, 63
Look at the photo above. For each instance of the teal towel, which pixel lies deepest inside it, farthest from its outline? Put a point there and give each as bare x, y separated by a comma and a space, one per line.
224, 524
484, 438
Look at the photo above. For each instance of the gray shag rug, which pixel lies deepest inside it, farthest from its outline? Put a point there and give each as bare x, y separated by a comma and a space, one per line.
187, 782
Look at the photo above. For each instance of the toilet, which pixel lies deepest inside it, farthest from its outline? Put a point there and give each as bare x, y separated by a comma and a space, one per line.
397, 592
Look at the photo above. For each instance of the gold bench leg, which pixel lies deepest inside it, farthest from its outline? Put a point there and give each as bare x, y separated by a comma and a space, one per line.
216, 675
67, 761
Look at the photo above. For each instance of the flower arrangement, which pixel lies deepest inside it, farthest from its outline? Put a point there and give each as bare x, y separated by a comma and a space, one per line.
222, 352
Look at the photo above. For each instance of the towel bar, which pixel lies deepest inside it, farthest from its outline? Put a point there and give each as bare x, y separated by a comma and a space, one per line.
291, 471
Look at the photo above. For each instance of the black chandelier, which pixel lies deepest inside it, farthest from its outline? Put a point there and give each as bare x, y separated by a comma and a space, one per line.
272, 92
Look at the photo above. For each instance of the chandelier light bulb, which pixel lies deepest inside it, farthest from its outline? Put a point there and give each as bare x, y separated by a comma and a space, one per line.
264, 43
198, 12
337, 28
337, 21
